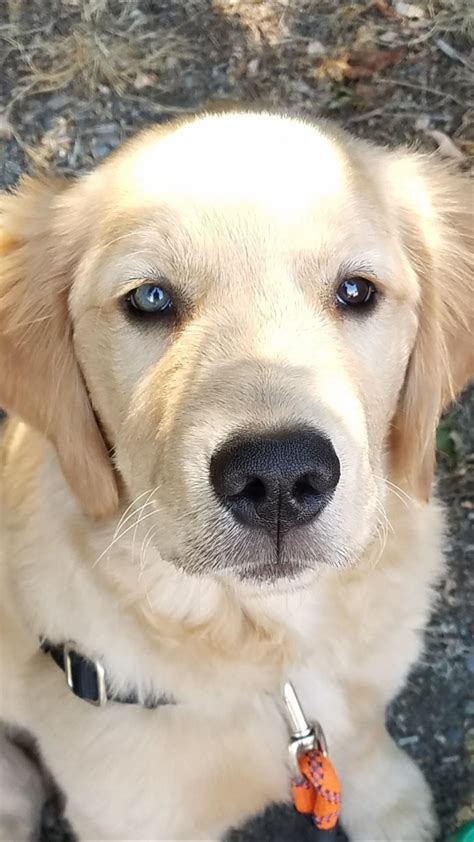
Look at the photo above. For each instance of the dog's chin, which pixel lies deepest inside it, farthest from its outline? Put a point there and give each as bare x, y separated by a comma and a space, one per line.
287, 572
277, 572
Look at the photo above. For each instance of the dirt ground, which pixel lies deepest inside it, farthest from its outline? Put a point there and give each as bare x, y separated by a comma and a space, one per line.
79, 76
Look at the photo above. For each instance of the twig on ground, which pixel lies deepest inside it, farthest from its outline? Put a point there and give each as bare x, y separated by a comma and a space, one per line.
449, 51
412, 86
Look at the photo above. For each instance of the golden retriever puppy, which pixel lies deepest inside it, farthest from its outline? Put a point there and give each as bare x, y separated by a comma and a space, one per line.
229, 347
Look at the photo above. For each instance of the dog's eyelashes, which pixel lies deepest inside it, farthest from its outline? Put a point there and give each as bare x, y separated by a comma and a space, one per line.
150, 299
356, 293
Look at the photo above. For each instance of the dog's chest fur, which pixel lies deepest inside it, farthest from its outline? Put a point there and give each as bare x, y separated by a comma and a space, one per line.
345, 642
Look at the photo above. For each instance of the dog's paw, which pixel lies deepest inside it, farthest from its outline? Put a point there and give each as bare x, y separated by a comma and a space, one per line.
395, 807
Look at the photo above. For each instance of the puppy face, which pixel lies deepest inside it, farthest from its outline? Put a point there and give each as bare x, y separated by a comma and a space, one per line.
243, 311
255, 373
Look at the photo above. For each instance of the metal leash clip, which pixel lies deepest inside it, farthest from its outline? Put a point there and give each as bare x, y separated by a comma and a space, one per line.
303, 736
315, 786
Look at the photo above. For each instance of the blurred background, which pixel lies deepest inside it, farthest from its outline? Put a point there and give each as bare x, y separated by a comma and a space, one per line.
79, 76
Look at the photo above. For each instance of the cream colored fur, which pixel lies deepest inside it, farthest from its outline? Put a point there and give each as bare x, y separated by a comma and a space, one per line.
254, 219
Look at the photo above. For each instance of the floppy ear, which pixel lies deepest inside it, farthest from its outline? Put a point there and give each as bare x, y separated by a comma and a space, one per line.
40, 379
436, 224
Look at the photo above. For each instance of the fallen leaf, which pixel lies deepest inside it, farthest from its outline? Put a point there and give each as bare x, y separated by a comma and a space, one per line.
467, 146
446, 147
384, 8
359, 64
316, 48
422, 123
388, 37
145, 80
364, 39
409, 10
365, 63
252, 67
334, 68
54, 144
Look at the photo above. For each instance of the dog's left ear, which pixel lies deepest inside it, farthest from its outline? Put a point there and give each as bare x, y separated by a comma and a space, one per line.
42, 230
435, 220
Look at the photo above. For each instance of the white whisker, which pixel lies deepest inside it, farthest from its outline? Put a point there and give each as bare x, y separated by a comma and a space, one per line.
396, 491
119, 538
144, 548
124, 516
140, 518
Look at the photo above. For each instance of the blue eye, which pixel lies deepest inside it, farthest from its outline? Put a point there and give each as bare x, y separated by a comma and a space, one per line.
355, 292
150, 299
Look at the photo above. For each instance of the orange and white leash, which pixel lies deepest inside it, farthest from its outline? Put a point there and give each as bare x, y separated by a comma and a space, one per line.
315, 786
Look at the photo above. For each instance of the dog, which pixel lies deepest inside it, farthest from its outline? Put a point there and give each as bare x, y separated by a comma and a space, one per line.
224, 353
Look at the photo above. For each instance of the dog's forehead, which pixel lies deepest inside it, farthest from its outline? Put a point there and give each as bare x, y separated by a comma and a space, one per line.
267, 161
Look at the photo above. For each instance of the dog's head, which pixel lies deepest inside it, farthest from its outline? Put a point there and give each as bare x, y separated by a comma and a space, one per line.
262, 318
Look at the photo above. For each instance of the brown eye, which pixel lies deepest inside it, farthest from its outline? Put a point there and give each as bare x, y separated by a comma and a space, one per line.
355, 292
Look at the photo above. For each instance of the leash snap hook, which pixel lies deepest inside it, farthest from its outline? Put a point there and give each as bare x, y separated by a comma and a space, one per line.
303, 735
315, 787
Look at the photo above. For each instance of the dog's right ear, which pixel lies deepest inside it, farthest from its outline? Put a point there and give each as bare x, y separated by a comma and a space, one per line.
40, 379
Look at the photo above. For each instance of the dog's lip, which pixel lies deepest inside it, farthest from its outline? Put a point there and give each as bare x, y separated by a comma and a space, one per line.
269, 570
253, 561
265, 570
272, 572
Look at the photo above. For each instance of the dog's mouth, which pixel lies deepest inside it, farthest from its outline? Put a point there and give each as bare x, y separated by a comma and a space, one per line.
209, 544
280, 570
259, 570
251, 556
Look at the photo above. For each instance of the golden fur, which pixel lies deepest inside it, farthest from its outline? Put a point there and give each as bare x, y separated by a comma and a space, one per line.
252, 218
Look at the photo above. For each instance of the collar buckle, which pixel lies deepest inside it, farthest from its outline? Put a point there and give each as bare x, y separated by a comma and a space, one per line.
85, 677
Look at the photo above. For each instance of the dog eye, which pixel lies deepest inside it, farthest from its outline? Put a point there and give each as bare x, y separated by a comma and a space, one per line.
150, 299
355, 292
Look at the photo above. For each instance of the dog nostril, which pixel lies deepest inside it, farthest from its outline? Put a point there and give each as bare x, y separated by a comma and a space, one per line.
254, 491
306, 487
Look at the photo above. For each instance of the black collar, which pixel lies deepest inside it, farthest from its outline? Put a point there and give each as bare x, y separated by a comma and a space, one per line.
86, 678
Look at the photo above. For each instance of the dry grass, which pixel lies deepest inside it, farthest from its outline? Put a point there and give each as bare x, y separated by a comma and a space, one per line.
99, 49
359, 61
122, 45
453, 16
87, 59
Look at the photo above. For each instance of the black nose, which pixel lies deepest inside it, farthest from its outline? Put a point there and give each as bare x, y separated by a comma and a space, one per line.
278, 480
